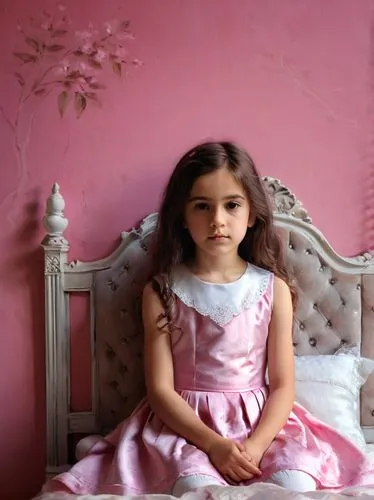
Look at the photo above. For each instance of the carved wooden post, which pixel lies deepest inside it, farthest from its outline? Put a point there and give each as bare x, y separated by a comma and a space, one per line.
56, 249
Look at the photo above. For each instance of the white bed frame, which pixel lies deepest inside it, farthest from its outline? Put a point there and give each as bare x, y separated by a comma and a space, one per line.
336, 306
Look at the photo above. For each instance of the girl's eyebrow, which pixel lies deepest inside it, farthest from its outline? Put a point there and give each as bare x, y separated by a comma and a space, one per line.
228, 197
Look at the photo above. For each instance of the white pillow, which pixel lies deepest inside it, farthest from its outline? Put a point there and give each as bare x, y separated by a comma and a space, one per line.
329, 387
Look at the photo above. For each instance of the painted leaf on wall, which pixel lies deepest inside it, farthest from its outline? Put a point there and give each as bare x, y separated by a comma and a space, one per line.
25, 57
80, 103
117, 68
62, 101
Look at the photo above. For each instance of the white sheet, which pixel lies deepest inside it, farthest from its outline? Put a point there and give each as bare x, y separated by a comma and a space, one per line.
259, 491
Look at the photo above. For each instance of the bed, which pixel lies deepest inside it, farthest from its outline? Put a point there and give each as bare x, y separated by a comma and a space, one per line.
335, 312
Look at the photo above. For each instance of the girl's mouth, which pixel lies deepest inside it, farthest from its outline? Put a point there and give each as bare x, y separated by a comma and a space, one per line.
217, 237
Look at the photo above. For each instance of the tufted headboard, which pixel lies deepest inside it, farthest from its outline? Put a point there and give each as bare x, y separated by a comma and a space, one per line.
335, 307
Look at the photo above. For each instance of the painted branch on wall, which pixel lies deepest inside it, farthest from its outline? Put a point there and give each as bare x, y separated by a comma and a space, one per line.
56, 59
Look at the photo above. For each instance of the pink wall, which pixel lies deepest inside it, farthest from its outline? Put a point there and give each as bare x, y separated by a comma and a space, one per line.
293, 81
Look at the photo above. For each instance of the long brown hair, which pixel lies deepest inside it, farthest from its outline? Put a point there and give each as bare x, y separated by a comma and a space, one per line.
173, 244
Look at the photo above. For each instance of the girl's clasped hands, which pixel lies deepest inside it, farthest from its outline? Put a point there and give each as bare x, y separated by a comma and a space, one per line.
236, 462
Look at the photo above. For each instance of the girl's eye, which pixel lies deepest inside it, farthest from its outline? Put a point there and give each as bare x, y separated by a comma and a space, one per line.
232, 205
201, 206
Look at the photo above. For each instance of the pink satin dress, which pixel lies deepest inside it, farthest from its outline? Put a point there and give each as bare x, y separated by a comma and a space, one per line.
219, 352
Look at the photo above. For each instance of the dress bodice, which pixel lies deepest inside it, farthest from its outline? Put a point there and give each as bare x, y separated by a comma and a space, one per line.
220, 331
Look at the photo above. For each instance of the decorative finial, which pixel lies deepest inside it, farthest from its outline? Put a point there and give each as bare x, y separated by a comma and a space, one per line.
54, 220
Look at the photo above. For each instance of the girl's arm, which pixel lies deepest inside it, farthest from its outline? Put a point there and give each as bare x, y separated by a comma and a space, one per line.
281, 369
171, 408
159, 375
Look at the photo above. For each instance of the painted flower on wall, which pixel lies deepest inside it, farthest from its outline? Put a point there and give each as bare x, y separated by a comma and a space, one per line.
57, 60
68, 62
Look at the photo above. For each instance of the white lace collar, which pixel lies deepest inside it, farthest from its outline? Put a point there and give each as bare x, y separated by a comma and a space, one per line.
220, 302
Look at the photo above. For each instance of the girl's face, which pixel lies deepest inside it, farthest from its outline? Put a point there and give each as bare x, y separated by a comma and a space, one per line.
217, 213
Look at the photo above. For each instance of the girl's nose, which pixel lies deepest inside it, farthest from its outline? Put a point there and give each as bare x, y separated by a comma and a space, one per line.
217, 218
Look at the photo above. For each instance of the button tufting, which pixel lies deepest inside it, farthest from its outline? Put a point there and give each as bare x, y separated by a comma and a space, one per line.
332, 281
358, 286
328, 323
302, 326
322, 268
290, 245
123, 369
343, 342
315, 306
312, 342
343, 302
308, 251
110, 353
372, 413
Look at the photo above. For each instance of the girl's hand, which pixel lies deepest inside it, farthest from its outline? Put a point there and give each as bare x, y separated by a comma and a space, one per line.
230, 459
253, 451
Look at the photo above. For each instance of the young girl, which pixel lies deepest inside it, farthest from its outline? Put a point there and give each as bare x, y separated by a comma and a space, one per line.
217, 312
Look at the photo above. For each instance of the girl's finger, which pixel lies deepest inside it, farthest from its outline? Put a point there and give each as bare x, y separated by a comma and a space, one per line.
248, 457
255, 470
248, 465
234, 476
252, 468
243, 473
230, 481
